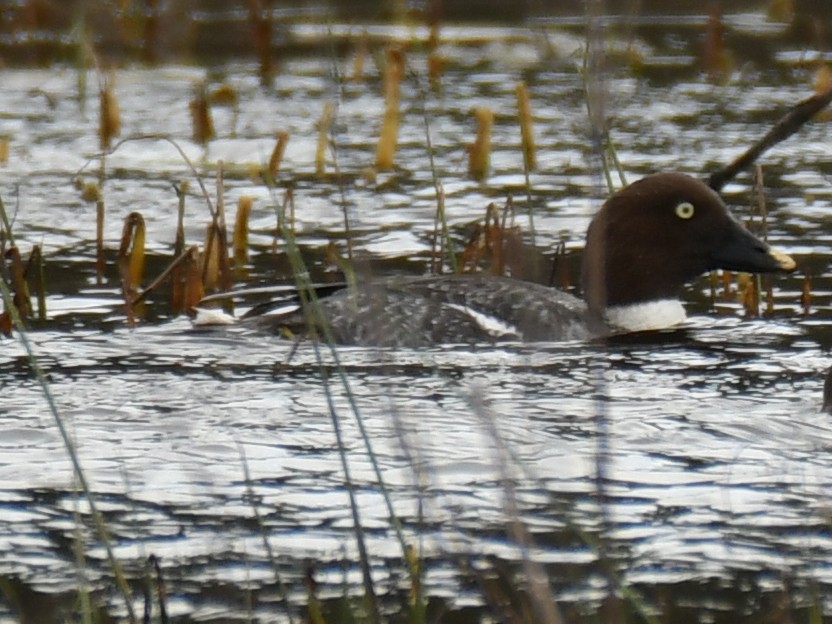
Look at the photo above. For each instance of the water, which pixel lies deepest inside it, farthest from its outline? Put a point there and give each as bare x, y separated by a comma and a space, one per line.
716, 454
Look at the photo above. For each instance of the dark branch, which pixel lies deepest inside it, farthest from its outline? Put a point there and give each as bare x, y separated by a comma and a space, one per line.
790, 123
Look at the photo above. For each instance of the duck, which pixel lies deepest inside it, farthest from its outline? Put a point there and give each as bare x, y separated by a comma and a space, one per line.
643, 245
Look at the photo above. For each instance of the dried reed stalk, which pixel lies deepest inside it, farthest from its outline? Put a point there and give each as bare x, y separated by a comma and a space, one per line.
393, 73
277, 156
240, 242
524, 111
479, 152
109, 118
324, 124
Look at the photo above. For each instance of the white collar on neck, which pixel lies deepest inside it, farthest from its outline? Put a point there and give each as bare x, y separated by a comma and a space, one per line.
646, 316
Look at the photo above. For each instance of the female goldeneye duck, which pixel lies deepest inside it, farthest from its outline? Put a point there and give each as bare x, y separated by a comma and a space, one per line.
642, 246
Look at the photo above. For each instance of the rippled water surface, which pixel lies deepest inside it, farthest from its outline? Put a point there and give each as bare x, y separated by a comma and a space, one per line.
716, 497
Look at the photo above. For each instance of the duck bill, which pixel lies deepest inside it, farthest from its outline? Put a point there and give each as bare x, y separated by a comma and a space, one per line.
742, 251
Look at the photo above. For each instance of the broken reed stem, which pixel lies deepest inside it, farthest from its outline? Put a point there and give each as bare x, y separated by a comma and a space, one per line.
109, 115
181, 195
277, 156
216, 270
727, 284
225, 95
178, 281
194, 288
559, 275
479, 152
436, 65
524, 111
261, 30
324, 124
5, 234
131, 260
100, 260
762, 209
446, 247
161, 588
436, 238
150, 33
388, 137
202, 124
362, 51
434, 23
761, 199
82, 51
240, 235
495, 239
806, 294
613, 155
716, 59
7, 226
211, 258
18, 283
192, 253
36, 266
222, 231
280, 218
314, 612
132, 250
219, 217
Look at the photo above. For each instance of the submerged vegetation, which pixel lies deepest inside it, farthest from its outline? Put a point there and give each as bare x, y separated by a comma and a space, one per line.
200, 274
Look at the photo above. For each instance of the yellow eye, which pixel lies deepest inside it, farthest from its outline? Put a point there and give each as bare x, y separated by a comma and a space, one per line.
685, 210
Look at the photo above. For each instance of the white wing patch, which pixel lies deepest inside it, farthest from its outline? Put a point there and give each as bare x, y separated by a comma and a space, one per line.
283, 310
212, 316
492, 325
647, 316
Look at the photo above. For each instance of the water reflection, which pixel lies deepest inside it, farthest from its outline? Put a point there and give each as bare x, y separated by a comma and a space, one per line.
716, 450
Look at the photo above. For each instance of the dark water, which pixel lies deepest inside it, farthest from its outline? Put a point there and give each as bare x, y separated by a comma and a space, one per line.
718, 470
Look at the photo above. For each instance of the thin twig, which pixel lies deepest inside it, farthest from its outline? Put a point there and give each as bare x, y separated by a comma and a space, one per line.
156, 137
193, 249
